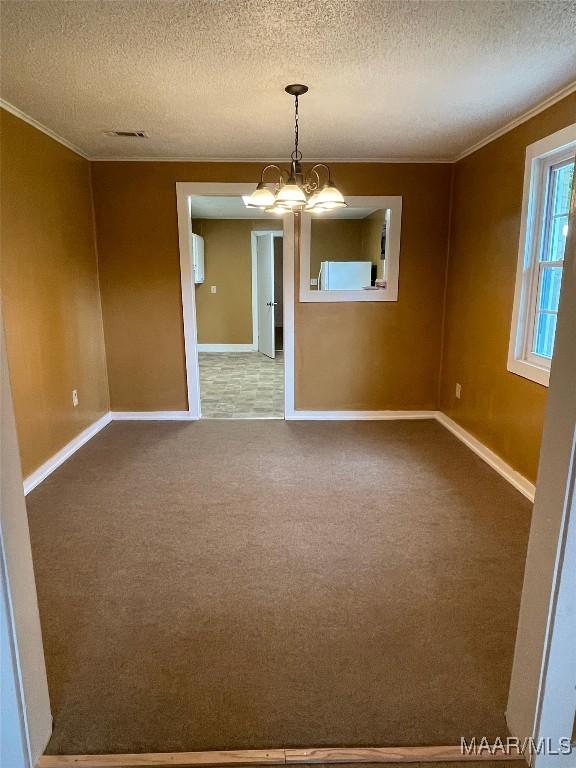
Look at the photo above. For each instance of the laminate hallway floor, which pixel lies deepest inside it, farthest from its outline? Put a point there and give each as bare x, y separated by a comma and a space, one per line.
252, 584
241, 385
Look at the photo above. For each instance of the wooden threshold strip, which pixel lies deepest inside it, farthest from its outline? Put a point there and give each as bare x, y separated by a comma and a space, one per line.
250, 757
166, 759
386, 755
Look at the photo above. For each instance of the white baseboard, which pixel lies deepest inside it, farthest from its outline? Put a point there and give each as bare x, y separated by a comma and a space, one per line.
151, 416
227, 348
297, 415
492, 459
63, 454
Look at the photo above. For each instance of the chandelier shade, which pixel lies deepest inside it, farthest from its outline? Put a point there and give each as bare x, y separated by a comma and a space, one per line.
329, 197
262, 197
297, 191
291, 194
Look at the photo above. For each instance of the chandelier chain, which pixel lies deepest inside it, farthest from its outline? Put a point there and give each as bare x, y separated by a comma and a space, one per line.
296, 155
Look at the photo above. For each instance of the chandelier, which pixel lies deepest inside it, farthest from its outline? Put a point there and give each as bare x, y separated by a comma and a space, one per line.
296, 191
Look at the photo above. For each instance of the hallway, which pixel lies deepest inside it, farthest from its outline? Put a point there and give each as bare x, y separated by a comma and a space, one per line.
241, 385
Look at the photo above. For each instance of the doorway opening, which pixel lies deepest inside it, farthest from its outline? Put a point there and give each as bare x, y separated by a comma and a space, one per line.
268, 292
238, 285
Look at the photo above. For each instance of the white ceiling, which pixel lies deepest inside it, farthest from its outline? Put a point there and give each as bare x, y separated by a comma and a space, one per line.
205, 79
220, 207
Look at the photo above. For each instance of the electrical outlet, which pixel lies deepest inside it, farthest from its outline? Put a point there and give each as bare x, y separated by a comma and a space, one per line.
458, 391
314, 281
212, 289
75, 398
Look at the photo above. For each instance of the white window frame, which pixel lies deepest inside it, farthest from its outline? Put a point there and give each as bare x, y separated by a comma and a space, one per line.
540, 157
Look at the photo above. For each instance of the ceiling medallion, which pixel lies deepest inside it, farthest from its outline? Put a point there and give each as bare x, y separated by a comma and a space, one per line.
296, 191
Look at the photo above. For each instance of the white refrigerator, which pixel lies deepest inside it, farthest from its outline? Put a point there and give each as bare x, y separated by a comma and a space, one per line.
345, 275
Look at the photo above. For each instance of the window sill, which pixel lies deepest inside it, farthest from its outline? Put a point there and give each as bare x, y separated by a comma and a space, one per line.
536, 373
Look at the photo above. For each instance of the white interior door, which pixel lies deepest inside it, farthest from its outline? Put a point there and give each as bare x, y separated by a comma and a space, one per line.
265, 288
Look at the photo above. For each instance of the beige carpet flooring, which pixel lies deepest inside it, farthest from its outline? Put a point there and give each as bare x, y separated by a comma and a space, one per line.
246, 584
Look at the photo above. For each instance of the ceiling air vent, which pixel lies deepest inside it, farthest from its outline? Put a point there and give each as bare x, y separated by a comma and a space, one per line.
128, 134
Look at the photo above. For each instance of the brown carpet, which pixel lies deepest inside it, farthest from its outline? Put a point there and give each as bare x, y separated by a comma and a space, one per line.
249, 584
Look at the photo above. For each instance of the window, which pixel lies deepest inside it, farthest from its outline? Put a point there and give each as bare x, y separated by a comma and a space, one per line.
548, 179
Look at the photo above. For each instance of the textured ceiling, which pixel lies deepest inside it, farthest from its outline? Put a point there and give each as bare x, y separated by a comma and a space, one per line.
221, 207
205, 79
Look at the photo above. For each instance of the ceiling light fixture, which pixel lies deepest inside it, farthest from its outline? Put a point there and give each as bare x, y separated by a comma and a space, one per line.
296, 191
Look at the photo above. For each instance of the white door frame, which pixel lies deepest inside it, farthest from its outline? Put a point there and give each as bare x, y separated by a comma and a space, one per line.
184, 189
255, 234
26, 718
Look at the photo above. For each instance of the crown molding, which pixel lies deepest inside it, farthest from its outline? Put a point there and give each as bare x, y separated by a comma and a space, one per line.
285, 160
524, 117
39, 126
540, 107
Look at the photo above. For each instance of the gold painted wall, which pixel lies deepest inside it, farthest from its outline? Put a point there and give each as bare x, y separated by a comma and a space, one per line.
225, 317
346, 240
365, 356
503, 410
334, 240
49, 290
372, 227
137, 232
383, 355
